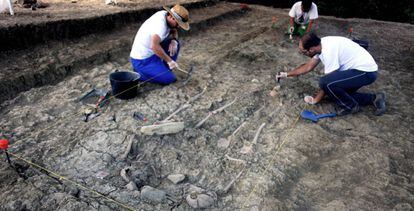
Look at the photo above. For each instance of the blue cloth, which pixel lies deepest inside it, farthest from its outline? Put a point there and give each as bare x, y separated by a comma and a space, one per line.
342, 86
154, 69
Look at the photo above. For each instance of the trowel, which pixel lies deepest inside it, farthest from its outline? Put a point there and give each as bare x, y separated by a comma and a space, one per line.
309, 115
189, 73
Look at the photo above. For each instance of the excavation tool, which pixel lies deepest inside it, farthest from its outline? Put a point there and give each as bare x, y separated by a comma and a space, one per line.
139, 116
103, 94
90, 113
189, 73
309, 115
93, 111
4, 144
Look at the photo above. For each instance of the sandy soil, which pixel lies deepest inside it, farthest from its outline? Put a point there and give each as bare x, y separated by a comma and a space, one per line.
358, 162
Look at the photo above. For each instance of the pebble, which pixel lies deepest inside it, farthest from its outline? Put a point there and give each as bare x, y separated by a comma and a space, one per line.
154, 195
223, 143
131, 186
176, 178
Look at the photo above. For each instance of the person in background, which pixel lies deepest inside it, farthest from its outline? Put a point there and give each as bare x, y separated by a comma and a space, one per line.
348, 67
302, 17
156, 46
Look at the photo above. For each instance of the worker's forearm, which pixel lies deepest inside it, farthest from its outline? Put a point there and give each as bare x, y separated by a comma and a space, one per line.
309, 26
299, 70
319, 96
291, 21
161, 53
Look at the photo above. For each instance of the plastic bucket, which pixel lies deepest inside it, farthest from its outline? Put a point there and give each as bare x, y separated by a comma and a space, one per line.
124, 84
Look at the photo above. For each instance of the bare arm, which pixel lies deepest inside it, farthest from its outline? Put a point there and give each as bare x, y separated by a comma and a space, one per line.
309, 26
291, 21
318, 97
304, 68
156, 47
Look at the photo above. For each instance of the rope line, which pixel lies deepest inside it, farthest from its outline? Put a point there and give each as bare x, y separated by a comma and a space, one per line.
111, 97
278, 149
60, 177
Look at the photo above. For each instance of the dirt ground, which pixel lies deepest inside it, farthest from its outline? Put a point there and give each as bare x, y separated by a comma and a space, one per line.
64, 9
277, 160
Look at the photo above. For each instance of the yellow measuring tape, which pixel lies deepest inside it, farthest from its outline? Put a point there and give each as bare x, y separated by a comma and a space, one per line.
60, 177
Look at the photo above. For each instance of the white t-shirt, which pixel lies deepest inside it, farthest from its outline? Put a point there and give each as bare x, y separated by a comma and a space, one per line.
303, 17
156, 24
340, 53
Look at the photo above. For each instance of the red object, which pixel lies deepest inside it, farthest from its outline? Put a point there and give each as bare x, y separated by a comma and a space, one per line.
4, 144
244, 6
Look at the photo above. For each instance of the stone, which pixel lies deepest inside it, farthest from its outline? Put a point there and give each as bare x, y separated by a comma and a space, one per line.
162, 129
223, 143
153, 195
176, 178
199, 198
131, 186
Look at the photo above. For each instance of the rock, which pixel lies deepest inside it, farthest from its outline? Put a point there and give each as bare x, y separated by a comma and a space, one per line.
176, 178
254, 80
131, 186
124, 174
223, 143
199, 198
162, 129
273, 93
153, 195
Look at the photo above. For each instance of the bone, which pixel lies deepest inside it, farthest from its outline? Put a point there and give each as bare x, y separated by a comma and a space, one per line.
205, 119
248, 148
185, 106
235, 159
128, 148
237, 130
163, 128
199, 124
226, 189
256, 137
224, 107
198, 95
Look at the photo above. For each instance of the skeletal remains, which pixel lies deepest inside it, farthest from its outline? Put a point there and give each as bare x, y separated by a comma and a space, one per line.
199, 124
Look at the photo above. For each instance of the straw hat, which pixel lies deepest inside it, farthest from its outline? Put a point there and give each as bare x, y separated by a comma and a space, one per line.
180, 14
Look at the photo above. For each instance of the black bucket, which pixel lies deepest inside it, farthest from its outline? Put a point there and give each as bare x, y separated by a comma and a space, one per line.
124, 84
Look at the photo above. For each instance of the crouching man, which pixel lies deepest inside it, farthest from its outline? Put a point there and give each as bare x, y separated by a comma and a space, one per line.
155, 49
348, 67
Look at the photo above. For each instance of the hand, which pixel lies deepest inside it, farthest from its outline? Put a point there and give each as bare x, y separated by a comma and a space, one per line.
291, 29
172, 64
281, 75
173, 47
310, 100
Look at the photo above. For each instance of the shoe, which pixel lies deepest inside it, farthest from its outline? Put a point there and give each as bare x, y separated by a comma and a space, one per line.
345, 111
379, 104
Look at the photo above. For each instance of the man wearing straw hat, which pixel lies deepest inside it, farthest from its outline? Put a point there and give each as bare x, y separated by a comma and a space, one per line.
155, 49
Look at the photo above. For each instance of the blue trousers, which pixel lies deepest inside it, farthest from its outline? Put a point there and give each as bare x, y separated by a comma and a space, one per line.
154, 69
342, 87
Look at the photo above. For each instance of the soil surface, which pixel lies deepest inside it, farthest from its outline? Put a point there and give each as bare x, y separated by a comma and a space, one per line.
57, 10
255, 154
